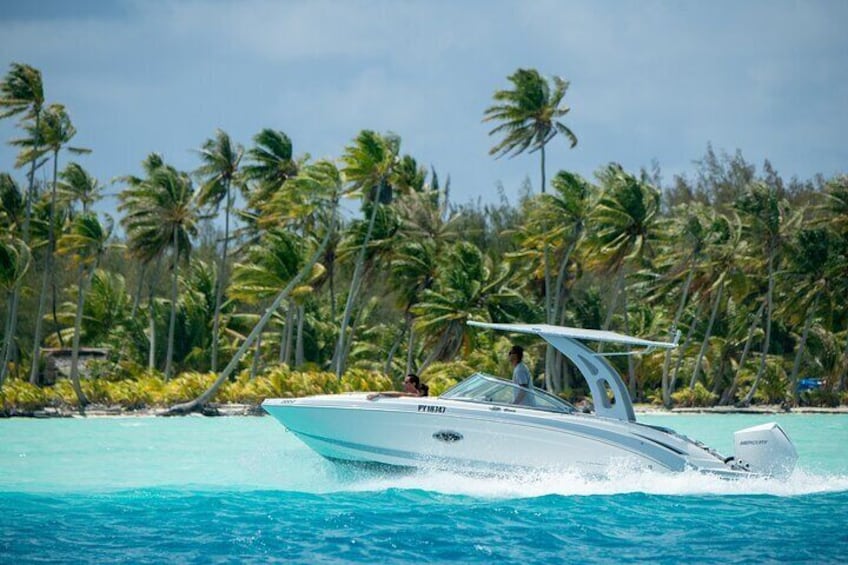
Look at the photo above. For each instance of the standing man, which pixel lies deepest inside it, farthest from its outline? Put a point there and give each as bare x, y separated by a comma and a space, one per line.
521, 376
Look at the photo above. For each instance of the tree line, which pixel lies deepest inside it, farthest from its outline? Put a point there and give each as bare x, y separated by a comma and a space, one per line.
246, 263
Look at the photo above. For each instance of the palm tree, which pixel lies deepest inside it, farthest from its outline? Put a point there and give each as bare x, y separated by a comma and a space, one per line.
161, 215
271, 264
85, 243
300, 205
270, 164
219, 170
717, 269
529, 115
21, 92
142, 248
327, 180
78, 186
423, 236
810, 258
568, 208
11, 204
687, 227
529, 118
14, 262
834, 212
626, 221
106, 318
468, 286
51, 135
368, 165
766, 220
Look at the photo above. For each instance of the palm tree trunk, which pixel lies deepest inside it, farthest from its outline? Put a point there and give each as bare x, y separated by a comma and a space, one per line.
619, 284
704, 344
840, 385
410, 350
281, 356
151, 354
396, 344
257, 353
75, 380
139, 290
689, 334
796, 365
254, 334
631, 371
221, 281
353, 325
172, 324
340, 356
8, 340
666, 391
436, 351
290, 312
151, 306
767, 338
298, 342
730, 392
48, 275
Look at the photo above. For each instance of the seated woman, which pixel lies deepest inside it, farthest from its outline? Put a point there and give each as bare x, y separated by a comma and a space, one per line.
412, 386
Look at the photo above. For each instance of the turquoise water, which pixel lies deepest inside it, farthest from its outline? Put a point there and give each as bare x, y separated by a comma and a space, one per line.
198, 490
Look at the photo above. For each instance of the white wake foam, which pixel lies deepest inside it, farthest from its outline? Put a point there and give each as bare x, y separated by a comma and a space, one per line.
616, 481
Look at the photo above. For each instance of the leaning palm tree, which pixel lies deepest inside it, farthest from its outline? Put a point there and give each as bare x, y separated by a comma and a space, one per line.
469, 285
834, 212
766, 221
368, 165
161, 215
219, 171
328, 184
568, 208
14, 262
270, 163
148, 251
679, 262
85, 244
811, 255
528, 117
626, 234
52, 134
271, 264
11, 215
21, 92
77, 185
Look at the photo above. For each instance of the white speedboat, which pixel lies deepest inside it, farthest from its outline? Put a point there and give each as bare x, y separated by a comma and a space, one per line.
477, 426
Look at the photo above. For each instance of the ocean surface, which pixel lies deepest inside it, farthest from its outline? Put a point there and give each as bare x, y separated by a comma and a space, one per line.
242, 490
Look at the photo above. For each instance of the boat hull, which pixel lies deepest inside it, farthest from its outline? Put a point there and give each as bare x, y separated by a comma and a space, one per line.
416, 432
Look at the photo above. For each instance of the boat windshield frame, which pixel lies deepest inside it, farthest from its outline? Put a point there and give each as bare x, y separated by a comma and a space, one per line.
482, 388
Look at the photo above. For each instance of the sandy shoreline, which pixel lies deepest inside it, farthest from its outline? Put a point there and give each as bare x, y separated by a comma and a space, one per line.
216, 410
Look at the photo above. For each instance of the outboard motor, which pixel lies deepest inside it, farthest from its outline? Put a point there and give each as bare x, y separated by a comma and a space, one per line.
765, 449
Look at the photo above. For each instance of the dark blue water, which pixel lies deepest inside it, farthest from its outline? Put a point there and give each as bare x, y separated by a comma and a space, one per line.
156, 525
241, 490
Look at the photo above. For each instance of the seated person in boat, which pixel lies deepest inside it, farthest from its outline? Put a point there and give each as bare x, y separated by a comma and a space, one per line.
412, 386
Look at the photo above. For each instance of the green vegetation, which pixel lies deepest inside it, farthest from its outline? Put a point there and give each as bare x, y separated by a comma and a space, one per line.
240, 280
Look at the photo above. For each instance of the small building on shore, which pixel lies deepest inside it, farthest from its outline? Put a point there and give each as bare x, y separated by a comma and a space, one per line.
57, 362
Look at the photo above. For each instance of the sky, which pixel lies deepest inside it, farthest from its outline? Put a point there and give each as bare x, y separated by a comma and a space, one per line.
650, 80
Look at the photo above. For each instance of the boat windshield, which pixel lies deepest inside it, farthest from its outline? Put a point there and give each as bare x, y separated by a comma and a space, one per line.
486, 389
